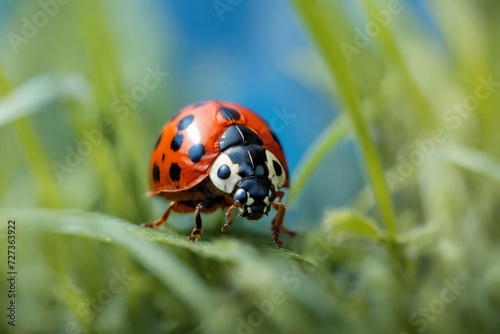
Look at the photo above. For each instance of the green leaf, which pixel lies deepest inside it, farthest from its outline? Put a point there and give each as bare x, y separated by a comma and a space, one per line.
136, 240
340, 223
198, 274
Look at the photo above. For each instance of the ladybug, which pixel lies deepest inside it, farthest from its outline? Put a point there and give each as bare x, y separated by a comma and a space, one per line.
219, 154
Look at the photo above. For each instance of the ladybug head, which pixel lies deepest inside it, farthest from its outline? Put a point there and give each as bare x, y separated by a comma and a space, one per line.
255, 195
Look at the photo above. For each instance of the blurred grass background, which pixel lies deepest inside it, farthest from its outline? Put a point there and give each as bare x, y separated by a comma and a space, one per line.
395, 181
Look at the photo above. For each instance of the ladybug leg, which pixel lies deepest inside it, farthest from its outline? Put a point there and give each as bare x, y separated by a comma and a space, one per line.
277, 222
280, 194
288, 233
197, 231
162, 219
229, 219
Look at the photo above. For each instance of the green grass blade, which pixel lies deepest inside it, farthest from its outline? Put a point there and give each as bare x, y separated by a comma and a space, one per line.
36, 156
29, 98
474, 161
136, 240
392, 54
319, 25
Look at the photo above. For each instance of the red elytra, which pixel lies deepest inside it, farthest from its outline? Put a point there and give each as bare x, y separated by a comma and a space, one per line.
186, 152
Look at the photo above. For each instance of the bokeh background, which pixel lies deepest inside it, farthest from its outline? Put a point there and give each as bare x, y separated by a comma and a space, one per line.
388, 114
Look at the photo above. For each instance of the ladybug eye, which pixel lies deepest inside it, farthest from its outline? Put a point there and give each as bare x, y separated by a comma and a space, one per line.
240, 196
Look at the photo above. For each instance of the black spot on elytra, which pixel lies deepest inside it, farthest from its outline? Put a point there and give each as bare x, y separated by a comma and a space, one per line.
163, 157
276, 138
185, 122
229, 114
156, 173
175, 172
176, 142
158, 141
224, 172
196, 152
277, 168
